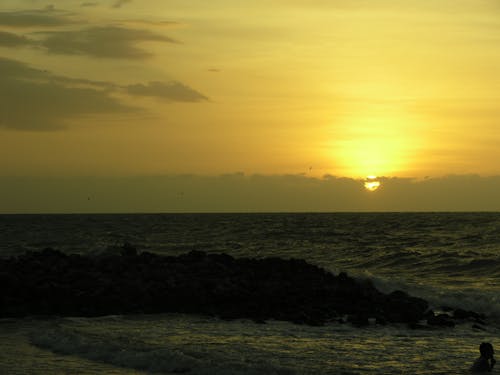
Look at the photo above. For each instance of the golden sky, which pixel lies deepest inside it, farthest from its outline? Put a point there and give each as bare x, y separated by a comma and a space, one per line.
406, 88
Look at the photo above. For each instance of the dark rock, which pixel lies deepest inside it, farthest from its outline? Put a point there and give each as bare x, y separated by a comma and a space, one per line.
464, 314
128, 250
193, 256
476, 326
50, 282
404, 308
181, 370
259, 321
358, 320
429, 314
441, 320
417, 326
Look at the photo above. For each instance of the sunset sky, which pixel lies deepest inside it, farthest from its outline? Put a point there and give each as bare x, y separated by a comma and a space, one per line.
406, 89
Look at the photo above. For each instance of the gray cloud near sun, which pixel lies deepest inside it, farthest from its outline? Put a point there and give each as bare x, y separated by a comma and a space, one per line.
106, 41
34, 99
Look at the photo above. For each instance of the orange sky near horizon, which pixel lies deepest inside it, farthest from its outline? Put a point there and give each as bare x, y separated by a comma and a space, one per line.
162, 87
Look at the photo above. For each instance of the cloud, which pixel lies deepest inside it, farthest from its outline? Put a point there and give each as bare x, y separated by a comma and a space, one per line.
13, 40
240, 193
12, 69
37, 100
120, 3
174, 91
108, 41
150, 23
30, 18
34, 99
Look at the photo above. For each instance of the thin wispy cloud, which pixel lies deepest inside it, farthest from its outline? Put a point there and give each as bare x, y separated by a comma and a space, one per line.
174, 91
89, 4
120, 3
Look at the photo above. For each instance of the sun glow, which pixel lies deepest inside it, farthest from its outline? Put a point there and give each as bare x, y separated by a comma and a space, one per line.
372, 183
373, 141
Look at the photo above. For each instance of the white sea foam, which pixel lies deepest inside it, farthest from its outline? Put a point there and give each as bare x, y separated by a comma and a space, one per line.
130, 353
474, 299
202, 346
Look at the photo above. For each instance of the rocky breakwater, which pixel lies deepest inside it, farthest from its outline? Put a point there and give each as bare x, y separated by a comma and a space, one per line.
52, 283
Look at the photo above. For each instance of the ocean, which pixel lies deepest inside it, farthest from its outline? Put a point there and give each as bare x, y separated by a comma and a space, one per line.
449, 259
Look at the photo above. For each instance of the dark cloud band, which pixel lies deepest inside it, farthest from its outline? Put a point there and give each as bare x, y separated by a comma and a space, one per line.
34, 99
108, 41
13, 40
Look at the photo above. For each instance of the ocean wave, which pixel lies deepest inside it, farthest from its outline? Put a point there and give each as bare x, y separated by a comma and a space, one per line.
123, 352
474, 267
424, 264
485, 301
484, 263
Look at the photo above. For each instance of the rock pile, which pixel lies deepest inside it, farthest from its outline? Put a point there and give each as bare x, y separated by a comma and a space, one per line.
52, 283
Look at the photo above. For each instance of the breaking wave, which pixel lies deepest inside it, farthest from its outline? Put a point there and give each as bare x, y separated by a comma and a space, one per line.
474, 299
145, 357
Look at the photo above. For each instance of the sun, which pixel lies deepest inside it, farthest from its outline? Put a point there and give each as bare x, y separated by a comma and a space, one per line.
372, 183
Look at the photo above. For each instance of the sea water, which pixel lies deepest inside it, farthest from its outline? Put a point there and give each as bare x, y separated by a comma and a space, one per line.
450, 259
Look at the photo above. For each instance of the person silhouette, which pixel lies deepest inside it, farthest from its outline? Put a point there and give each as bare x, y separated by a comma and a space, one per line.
486, 361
